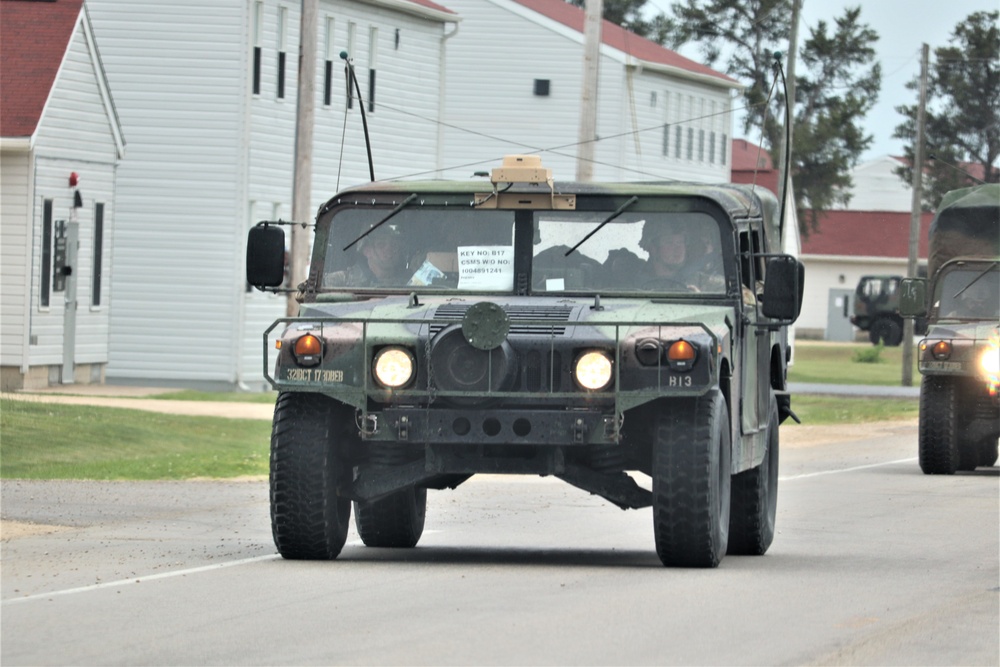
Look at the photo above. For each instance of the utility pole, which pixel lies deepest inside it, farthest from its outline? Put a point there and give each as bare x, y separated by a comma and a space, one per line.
588, 101
793, 49
302, 177
915, 213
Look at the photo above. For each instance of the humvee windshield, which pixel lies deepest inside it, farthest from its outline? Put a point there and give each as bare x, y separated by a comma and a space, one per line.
442, 249
970, 293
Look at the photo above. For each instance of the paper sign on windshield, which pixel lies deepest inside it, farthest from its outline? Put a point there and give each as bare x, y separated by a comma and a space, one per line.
486, 267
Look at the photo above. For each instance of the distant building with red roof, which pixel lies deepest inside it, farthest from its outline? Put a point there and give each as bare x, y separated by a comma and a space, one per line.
514, 85
60, 146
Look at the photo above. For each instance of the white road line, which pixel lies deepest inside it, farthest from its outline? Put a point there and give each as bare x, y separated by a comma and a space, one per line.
840, 470
136, 580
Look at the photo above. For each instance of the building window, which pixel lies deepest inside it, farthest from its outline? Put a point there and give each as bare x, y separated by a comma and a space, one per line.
372, 66
95, 286
701, 145
666, 140
725, 147
711, 147
45, 288
282, 56
678, 136
652, 99
328, 63
690, 143
258, 19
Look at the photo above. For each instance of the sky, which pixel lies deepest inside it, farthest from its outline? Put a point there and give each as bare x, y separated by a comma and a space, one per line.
903, 27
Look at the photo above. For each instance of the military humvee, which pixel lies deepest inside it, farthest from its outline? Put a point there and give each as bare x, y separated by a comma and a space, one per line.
876, 310
960, 356
525, 330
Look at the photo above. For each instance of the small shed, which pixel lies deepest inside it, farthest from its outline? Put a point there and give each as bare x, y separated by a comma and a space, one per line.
60, 146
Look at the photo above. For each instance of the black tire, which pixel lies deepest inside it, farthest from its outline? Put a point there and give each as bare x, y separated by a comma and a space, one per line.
691, 481
396, 521
938, 432
988, 452
754, 501
890, 332
308, 439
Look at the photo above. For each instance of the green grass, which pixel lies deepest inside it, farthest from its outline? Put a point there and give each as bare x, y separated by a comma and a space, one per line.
830, 410
49, 441
842, 363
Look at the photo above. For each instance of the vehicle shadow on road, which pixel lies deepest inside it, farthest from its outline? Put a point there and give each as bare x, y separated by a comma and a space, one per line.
448, 555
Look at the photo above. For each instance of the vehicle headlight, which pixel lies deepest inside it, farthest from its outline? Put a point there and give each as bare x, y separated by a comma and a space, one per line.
308, 350
941, 350
989, 362
682, 355
593, 370
393, 367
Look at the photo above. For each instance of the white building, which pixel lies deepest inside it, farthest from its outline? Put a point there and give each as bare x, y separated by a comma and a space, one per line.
515, 73
60, 145
877, 188
206, 92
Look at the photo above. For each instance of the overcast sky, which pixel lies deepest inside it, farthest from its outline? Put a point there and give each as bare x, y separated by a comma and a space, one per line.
903, 26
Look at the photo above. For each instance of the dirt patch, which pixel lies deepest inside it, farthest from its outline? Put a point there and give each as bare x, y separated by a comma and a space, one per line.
805, 435
10, 530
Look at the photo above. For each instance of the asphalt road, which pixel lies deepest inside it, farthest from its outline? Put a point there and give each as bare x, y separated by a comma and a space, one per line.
874, 563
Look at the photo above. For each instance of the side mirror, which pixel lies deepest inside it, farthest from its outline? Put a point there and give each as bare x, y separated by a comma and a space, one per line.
783, 289
913, 297
266, 256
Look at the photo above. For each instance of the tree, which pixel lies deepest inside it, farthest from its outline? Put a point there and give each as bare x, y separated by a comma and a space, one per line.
629, 14
840, 84
962, 117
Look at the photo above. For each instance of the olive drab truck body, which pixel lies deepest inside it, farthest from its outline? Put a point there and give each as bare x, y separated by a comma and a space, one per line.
960, 355
532, 331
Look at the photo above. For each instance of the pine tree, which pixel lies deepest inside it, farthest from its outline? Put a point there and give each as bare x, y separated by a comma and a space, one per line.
962, 118
838, 85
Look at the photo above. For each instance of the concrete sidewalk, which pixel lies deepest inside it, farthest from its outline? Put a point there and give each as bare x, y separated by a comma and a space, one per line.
138, 398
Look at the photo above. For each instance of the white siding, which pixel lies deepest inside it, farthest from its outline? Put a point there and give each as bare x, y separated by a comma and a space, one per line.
876, 188
15, 267
826, 273
208, 158
491, 109
178, 72
74, 135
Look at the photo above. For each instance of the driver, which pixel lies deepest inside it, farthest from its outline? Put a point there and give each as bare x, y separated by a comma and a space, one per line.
977, 300
381, 262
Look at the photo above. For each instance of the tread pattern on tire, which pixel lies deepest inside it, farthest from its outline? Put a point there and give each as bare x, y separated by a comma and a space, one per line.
690, 496
308, 519
754, 498
938, 430
396, 521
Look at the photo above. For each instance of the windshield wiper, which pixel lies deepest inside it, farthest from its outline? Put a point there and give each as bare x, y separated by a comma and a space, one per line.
621, 209
976, 279
403, 204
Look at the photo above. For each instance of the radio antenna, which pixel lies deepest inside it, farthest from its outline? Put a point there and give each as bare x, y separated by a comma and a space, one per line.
352, 78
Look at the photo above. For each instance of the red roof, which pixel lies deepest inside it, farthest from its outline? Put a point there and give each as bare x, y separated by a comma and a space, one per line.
619, 38
866, 234
34, 37
752, 165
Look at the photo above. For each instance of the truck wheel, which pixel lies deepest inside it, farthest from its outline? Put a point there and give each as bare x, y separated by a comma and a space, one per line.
396, 521
691, 481
988, 452
886, 330
938, 431
308, 519
755, 499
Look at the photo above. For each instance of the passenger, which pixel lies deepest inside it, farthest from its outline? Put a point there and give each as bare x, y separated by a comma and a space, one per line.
682, 257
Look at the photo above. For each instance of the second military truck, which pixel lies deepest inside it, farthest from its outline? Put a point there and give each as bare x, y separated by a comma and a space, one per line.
603, 334
960, 356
